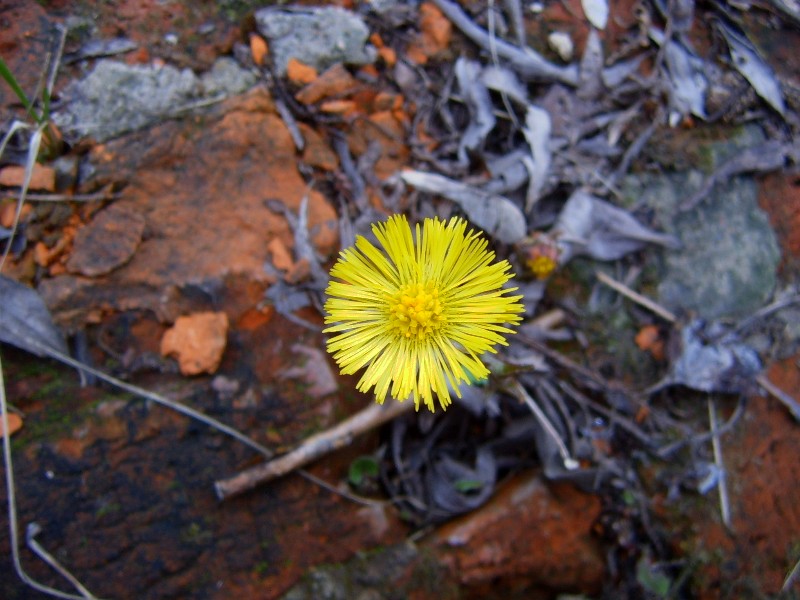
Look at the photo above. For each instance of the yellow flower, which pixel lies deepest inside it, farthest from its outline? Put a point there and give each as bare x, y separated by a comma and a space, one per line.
419, 313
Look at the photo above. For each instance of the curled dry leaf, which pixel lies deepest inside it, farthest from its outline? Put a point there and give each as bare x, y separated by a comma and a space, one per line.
590, 226
25, 320
685, 79
496, 215
710, 359
537, 133
481, 110
749, 63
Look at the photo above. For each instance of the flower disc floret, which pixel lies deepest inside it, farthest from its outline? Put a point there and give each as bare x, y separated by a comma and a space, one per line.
418, 312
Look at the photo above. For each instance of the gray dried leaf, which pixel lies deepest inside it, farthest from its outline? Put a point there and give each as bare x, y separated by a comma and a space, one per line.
590, 226
529, 64
303, 248
315, 371
537, 133
532, 292
287, 298
504, 81
456, 487
590, 78
749, 63
709, 360
481, 110
479, 400
686, 79
496, 215
618, 72
508, 172
25, 317
596, 12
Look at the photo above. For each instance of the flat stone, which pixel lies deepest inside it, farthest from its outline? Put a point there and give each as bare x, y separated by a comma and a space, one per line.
203, 193
529, 531
107, 242
728, 261
115, 98
317, 37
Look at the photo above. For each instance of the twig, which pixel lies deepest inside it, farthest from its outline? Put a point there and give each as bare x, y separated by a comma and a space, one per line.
787, 583
358, 187
312, 448
634, 150
769, 156
30, 161
772, 389
13, 522
291, 123
722, 487
665, 451
31, 532
767, 310
529, 64
517, 390
74, 197
636, 297
565, 362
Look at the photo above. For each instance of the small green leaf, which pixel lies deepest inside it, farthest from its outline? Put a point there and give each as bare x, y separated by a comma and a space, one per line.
628, 498
651, 580
467, 485
362, 468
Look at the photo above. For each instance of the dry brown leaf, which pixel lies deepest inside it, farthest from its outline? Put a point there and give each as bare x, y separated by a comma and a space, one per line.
43, 178
334, 82
338, 107
14, 424
258, 48
300, 73
435, 33
649, 340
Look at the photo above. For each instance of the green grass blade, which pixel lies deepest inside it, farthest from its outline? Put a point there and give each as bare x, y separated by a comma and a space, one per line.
6, 74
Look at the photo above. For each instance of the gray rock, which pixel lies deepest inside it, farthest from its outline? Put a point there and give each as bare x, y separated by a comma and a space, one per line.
728, 261
115, 98
318, 37
227, 78
369, 576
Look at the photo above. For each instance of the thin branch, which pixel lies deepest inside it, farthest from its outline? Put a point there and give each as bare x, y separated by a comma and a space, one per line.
774, 390
312, 448
761, 313
518, 391
158, 399
31, 532
667, 450
636, 297
790, 578
722, 487
13, 522
98, 196
30, 161
529, 64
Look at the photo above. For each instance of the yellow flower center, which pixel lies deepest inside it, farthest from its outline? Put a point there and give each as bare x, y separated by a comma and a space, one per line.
542, 266
415, 310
